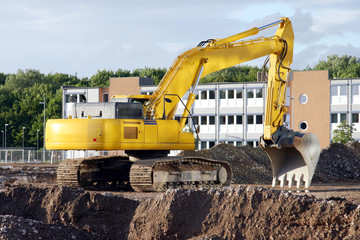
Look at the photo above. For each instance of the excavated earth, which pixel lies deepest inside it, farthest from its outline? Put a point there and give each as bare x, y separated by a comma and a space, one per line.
32, 206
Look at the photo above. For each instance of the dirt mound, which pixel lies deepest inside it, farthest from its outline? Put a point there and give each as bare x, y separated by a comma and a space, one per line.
229, 213
249, 165
338, 162
243, 213
90, 215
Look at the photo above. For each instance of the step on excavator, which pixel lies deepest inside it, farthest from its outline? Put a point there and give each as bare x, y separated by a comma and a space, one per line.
145, 126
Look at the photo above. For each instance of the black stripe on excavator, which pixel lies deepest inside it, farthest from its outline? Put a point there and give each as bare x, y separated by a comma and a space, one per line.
150, 122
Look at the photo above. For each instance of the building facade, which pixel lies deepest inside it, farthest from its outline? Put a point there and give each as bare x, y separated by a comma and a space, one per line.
234, 112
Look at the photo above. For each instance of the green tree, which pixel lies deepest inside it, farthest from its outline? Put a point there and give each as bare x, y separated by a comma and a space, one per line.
2, 78
340, 67
155, 73
20, 98
343, 133
23, 79
233, 74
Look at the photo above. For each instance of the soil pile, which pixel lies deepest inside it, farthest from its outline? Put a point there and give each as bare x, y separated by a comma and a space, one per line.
249, 165
338, 162
228, 213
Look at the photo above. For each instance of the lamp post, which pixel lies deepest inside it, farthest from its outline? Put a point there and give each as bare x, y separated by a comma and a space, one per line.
37, 143
23, 144
37, 140
2, 131
44, 103
23, 140
5, 133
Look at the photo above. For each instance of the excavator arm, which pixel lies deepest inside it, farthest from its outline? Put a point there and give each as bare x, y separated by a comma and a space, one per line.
214, 55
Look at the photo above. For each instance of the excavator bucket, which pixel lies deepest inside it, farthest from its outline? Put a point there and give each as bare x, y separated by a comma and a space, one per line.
293, 158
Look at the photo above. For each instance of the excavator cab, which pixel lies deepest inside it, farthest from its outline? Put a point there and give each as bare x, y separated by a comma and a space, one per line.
293, 156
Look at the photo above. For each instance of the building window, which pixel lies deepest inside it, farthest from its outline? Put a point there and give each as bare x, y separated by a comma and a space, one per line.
105, 97
250, 143
259, 93
196, 95
342, 90
334, 118
333, 90
231, 94
355, 117
211, 144
238, 119
250, 93
203, 144
211, 120
230, 142
222, 120
230, 120
211, 94
303, 99
303, 126
259, 119
342, 117
203, 95
238, 143
239, 93
82, 98
222, 94
203, 120
250, 119
355, 90
195, 120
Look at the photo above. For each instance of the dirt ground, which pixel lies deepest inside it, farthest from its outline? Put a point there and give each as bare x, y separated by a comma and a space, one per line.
32, 206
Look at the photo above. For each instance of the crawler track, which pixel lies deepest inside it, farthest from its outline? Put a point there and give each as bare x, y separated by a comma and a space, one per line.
183, 172
67, 172
118, 173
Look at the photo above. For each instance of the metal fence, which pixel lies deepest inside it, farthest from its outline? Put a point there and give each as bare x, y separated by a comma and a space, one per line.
30, 156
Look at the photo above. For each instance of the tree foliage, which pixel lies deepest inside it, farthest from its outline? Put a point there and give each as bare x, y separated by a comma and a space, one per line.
343, 133
233, 74
340, 67
20, 97
101, 78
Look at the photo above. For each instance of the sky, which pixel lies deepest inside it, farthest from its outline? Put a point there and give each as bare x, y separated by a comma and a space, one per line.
84, 36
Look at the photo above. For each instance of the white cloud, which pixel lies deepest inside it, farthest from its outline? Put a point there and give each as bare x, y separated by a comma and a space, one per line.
82, 36
331, 19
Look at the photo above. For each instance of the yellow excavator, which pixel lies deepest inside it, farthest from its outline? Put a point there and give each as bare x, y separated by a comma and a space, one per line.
145, 126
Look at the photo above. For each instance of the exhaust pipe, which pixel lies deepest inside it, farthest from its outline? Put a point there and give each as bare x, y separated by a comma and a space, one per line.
293, 157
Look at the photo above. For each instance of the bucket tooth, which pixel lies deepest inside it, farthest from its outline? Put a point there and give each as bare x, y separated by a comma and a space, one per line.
274, 182
293, 158
299, 180
282, 180
290, 180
